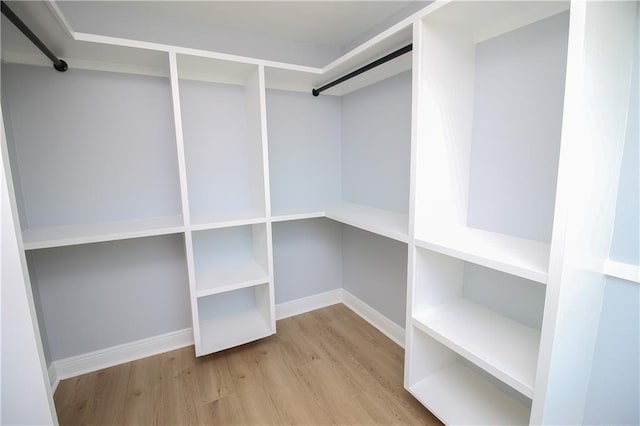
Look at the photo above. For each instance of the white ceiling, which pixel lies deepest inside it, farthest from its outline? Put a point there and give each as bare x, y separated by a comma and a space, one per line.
328, 23
310, 33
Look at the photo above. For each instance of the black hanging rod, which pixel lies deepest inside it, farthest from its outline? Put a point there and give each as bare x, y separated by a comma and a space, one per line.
58, 63
386, 58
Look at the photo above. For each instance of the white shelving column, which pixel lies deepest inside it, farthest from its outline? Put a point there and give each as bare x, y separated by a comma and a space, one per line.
184, 193
229, 237
484, 128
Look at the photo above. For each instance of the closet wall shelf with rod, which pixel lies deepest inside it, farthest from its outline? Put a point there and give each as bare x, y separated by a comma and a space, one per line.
364, 68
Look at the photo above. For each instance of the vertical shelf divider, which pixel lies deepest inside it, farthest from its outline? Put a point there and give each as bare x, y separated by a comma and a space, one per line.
184, 196
262, 110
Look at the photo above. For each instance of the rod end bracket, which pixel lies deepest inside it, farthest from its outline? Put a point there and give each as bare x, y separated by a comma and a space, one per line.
315, 92
62, 66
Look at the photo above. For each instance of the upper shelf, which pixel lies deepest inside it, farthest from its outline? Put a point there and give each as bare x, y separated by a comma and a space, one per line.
479, 21
385, 43
517, 256
92, 233
92, 51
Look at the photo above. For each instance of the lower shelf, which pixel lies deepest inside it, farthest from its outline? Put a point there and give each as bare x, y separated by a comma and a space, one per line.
234, 318
223, 333
503, 347
458, 395
232, 277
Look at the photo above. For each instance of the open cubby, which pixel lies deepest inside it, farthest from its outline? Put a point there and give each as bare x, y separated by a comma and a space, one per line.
304, 151
96, 296
489, 132
221, 124
346, 158
233, 318
455, 391
491, 318
84, 173
307, 258
230, 258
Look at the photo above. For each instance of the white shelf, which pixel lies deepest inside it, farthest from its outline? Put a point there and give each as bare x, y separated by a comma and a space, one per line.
517, 256
59, 236
232, 277
303, 80
505, 348
458, 395
222, 333
296, 216
383, 222
621, 270
204, 222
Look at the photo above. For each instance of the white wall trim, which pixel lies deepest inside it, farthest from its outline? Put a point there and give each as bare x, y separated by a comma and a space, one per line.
308, 304
387, 327
54, 380
104, 358
97, 360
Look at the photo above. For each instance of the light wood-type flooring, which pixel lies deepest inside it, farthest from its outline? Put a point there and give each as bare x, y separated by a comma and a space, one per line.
324, 367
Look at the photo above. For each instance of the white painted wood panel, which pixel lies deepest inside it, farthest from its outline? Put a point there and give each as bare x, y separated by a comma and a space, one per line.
518, 256
459, 396
83, 234
503, 347
389, 224
233, 318
230, 277
227, 332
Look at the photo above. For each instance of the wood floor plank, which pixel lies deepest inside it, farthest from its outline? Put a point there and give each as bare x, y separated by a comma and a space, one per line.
324, 367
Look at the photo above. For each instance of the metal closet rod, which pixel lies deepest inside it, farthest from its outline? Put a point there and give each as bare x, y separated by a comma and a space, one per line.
58, 63
386, 58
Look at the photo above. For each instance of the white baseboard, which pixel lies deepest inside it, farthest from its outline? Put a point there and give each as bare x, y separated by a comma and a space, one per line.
104, 358
308, 304
54, 380
93, 361
387, 327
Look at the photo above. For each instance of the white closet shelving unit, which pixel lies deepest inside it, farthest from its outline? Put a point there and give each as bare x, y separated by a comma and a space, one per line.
489, 101
219, 111
318, 190
479, 130
498, 110
139, 201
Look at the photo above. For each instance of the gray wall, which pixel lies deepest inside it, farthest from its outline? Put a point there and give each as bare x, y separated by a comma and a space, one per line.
514, 162
95, 296
375, 270
625, 246
376, 144
307, 258
304, 150
222, 176
514, 297
81, 143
